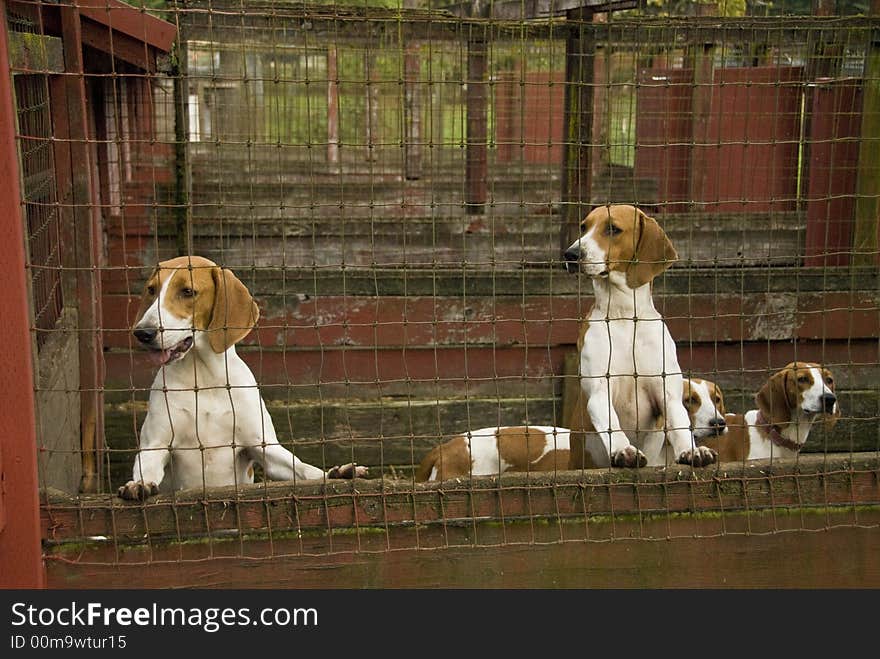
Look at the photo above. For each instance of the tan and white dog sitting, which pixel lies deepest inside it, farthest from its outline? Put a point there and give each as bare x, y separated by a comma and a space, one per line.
789, 403
630, 398
206, 420
492, 451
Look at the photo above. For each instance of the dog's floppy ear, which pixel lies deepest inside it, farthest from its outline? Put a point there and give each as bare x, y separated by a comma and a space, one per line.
653, 254
773, 399
234, 314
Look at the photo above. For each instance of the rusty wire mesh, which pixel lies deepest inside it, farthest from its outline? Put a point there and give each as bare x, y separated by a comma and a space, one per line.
396, 188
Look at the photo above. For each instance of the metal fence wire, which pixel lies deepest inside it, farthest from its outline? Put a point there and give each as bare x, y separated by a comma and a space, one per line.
396, 188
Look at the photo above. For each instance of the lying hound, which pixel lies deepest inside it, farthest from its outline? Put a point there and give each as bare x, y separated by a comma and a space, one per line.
631, 391
492, 451
496, 450
789, 403
206, 420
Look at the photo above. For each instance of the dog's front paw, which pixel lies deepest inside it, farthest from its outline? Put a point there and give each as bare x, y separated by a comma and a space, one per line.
699, 457
629, 457
350, 470
137, 490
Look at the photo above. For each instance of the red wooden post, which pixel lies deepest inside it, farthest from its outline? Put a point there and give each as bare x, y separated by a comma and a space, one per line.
332, 106
577, 178
76, 187
702, 57
21, 560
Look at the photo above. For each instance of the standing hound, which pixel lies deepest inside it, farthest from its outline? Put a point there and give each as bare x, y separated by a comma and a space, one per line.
630, 398
789, 403
206, 420
493, 451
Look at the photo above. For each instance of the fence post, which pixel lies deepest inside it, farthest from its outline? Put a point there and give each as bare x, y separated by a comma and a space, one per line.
579, 73
477, 166
21, 559
867, 215
703, 57
78, 190
412, 104
332, 106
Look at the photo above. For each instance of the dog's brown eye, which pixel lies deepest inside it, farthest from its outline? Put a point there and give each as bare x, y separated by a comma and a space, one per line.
613, 230
187, 292
804, 379
151, 290
829, 380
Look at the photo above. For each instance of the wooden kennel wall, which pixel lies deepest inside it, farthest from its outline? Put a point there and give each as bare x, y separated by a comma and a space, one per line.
445, 305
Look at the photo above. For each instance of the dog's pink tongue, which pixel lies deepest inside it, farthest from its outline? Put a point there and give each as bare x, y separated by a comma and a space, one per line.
160, 357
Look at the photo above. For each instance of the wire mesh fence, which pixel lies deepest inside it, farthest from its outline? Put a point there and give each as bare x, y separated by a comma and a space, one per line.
396, 188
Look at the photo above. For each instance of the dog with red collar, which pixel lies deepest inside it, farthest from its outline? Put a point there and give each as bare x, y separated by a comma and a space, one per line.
789, 404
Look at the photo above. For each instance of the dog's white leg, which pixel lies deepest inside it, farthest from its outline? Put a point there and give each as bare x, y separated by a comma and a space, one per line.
677, 421
154, 451
677, 425
282, 465
605, 421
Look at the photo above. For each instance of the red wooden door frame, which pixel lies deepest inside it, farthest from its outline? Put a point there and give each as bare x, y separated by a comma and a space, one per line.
21, 560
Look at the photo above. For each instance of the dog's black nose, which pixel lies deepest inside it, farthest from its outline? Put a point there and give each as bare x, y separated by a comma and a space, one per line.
717, 425
571, 254
145, 335
828, 403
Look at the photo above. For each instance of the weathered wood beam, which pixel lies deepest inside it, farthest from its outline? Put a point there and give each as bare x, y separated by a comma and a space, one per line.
867, 212
808, 481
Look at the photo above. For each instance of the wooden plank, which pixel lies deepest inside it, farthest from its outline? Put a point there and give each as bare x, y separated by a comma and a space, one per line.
477, 151
580, 46
342, 372
131, 22
751, 550
376, 322
76, 188
35, 53
808, 481
867, 213
120, 46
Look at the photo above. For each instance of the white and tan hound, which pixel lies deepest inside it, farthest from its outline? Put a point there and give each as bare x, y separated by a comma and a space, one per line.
206, 423
789, 403
492, 451
704, 402
630, 398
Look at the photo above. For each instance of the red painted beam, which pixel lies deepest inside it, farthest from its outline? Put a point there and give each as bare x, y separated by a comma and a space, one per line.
21, 559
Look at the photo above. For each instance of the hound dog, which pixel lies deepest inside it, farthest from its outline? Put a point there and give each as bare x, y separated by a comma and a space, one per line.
789, 403
489, 451
206, 420
704, 402
630, 398
492, 451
